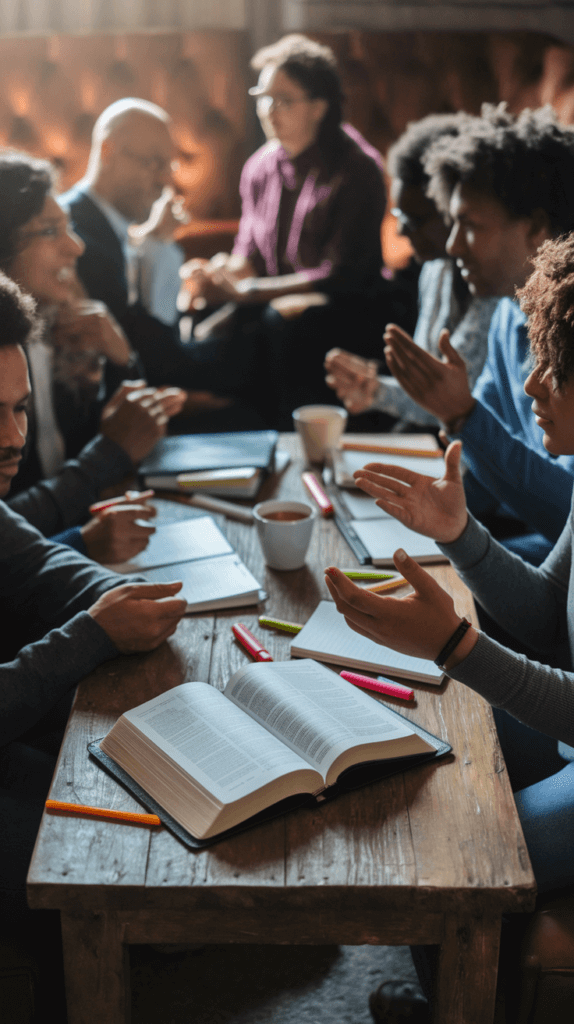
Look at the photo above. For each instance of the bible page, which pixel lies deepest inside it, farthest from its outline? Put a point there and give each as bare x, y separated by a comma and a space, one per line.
312, 709
206, 737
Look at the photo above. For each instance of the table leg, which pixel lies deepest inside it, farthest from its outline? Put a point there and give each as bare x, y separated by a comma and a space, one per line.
96, 965
468, 968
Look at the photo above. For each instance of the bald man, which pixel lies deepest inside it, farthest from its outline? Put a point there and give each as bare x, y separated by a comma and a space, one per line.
129, 169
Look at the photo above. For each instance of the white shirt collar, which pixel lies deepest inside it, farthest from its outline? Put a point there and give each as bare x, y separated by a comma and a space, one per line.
117, 221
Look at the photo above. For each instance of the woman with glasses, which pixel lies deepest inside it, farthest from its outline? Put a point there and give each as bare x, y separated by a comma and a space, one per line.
80, 440
309, 237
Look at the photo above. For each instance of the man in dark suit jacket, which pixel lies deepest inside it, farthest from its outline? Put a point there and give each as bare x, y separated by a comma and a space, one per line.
129, 167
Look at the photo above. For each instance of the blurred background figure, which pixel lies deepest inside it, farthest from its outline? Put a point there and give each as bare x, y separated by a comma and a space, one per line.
307, 258
88, 426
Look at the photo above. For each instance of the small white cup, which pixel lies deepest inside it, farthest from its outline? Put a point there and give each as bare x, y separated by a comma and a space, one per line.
320, 427
284, 542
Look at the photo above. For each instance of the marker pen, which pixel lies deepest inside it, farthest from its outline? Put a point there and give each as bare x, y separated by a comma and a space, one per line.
380, 685
251, 644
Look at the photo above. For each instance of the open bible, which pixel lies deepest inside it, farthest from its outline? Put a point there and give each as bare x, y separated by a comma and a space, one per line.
212, 760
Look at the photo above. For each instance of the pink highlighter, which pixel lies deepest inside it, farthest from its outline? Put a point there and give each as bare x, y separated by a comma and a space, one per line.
386, 686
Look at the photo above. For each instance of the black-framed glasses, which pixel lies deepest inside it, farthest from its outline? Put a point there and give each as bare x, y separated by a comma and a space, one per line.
156, 163
265, 104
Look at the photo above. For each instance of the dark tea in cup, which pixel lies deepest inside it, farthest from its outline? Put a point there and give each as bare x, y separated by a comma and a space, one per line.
285, 516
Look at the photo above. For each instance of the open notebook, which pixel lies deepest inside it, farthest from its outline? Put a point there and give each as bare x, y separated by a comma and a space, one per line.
347, 460
327, 637
196, 552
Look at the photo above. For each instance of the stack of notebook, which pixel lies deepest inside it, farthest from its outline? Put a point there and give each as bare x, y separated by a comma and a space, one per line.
232, 464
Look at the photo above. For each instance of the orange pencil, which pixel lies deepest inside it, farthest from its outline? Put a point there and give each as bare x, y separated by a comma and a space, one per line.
132, 818
377, 588
387, 449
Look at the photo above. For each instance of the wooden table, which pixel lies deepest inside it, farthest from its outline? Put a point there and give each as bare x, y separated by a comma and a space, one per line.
435, 855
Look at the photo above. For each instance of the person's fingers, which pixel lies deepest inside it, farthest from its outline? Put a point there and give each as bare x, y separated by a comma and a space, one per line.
388, 469
126, 388
140, 496
151, 591
127, 513
382, 487
395, 332
418, 577
452, 458
353, 596
446, 349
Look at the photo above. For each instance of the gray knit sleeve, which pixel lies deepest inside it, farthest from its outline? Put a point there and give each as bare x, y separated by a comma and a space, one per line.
529, 602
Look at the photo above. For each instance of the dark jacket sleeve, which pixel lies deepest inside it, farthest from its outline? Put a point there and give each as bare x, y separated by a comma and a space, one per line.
62, 501
50, 642
101, 268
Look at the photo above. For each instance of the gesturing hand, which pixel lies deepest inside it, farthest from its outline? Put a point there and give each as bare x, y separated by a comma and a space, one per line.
139, 616
116, 534
435, 508
88, 325
353, 378
419, 624
439, 386
135, 418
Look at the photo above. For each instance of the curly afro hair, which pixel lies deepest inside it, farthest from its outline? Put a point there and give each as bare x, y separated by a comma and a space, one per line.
547, 298
20, 324
404, 159
525, 162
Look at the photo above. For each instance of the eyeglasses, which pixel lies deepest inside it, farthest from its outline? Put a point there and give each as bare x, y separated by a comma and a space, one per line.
265, 104
407, 221
157, 164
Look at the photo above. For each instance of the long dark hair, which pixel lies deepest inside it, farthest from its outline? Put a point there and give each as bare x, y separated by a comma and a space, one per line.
314, 68
25, 182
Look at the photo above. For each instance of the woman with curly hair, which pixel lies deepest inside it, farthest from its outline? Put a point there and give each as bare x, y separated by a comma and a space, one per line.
533, 699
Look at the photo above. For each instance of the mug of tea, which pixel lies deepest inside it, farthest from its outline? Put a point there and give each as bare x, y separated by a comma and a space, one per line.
284, 529
319, 427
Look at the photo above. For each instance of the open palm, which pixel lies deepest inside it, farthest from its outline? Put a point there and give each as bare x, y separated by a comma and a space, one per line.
435, 508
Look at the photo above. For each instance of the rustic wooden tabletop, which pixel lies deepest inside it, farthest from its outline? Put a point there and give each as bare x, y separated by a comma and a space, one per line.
435, 855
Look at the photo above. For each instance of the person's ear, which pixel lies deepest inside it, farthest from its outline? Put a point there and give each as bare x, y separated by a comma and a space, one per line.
106, 151
540, 228
320, 108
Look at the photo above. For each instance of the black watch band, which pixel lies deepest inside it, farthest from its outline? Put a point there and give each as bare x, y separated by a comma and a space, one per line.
452, 643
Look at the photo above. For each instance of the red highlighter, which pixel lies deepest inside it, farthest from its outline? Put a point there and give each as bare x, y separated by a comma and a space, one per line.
250, 642
386, 686
318, 494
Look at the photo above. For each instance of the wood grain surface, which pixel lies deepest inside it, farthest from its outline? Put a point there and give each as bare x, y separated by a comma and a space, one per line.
434, 855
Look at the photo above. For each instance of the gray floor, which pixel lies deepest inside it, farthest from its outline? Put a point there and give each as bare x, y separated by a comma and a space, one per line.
262, 984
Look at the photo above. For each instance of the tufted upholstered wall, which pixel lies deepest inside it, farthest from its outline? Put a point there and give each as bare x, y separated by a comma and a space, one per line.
52, 88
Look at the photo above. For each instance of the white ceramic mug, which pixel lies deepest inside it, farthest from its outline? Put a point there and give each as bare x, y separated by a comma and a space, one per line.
320, 427
284, 541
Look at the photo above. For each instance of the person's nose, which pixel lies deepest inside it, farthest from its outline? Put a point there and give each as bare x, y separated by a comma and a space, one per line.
535, 385
12, 433
73, 244
455, 242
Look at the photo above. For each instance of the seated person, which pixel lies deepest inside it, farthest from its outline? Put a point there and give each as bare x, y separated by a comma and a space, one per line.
534, 702
504, 202
78, 357
129, 171
313, 200
444, 299
62, 616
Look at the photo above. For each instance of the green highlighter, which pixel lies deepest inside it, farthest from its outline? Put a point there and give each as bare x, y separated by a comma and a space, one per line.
287, 627
367, 576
